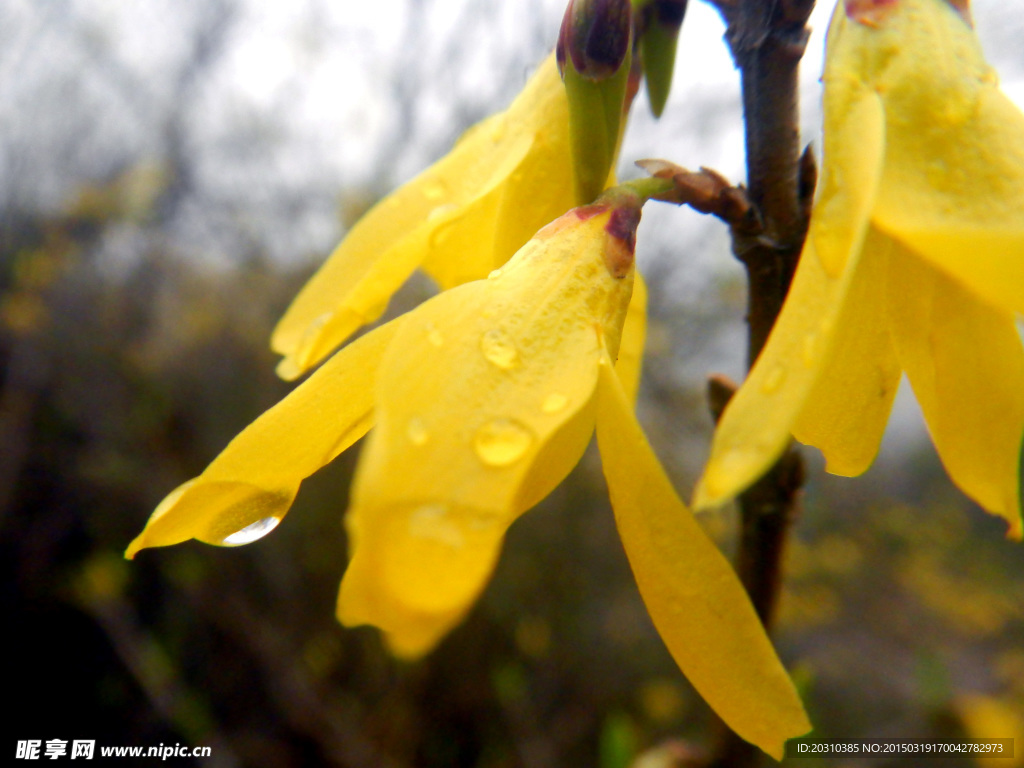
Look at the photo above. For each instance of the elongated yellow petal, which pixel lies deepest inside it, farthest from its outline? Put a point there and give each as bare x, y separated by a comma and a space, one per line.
457, 456
445, 218
847, 408
964, 360
254, 480
854, 146
634, 334
692, 593
755, 427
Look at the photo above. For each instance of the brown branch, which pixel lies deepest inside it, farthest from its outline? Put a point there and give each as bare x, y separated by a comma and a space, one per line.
709, 192
767, 41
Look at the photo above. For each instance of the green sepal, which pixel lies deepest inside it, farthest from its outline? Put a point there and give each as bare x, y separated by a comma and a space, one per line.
657, 31
596, 113
658, 52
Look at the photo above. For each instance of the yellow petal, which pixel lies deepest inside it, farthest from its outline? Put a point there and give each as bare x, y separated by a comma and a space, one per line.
455, 201
520, 209
966, 365
956, 196
692, 593
755, 428
484, 405
254, 480
854, 145
953, 185
846, 410
634, 333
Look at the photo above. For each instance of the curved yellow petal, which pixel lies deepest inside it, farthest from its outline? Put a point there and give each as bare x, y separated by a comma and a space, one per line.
846, 410
484, 405
255, 478
953, 191
966, 365
454, 202
756, 425
634, 334
953, 185
692, 593
537, 192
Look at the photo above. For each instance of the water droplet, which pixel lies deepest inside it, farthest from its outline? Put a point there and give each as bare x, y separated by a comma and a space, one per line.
433, 335
252, 532
441, 212
417, 431
434, 190
494, 273
498, 131
773, 380
501, 442
499, 349
444, 225
432, 522
554, 402
319, 322
810, 349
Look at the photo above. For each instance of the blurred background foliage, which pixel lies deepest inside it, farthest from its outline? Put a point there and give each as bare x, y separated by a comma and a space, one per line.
170, 173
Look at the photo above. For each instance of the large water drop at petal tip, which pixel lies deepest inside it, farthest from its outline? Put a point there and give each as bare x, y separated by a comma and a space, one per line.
251, 532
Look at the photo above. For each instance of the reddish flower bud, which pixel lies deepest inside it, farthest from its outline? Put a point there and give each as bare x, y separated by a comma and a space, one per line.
595, 34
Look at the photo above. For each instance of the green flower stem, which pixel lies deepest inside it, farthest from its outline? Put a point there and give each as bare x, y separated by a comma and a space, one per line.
649, 187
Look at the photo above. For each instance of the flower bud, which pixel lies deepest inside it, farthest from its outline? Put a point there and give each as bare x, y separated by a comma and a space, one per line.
594, 56
595, 34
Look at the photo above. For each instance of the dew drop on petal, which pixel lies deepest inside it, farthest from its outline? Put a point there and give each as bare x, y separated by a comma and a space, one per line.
498, 131
499, 349
443, 227
501, 442
773, 380
417, 431
441, 212
433, 523
252, 532
434, 335
810, 349
434, 190
494, 273
554, 402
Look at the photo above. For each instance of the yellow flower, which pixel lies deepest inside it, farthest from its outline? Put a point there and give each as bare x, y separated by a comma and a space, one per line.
461, 218
914, 263
483, 399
